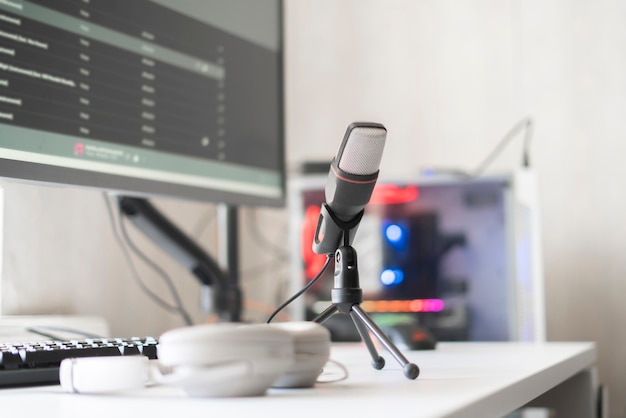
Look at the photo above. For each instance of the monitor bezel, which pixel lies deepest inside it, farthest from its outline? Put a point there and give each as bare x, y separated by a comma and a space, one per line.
44, 174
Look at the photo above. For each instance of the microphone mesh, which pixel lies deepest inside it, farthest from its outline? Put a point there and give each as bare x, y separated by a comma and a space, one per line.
363, 151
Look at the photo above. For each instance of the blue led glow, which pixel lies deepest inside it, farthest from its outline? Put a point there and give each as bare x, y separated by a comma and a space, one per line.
391, 277
396, 235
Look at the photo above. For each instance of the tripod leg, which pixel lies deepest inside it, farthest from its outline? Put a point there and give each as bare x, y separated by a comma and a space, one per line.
377, 361
328, 312
410, 370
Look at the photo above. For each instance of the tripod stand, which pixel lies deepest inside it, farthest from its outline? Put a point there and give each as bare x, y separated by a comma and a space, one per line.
346, 297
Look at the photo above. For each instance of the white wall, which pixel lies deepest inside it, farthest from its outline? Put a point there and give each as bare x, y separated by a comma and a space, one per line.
448, 79
61, 257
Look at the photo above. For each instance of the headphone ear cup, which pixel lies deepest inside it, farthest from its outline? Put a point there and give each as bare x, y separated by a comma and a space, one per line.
311, 351
225, 360
94, 375
227, 376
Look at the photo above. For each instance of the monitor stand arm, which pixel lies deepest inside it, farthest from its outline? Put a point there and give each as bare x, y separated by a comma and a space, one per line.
227, 295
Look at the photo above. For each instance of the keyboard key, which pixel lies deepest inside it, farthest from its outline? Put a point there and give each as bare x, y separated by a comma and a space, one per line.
9, 359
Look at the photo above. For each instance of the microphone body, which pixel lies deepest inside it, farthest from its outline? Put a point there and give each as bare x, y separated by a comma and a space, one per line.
348, 194
351, 180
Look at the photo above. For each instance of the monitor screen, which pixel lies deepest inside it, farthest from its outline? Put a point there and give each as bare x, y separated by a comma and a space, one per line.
158, 98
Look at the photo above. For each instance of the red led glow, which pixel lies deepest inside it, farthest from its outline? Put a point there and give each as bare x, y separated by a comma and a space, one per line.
392, 194
419, 336
313, 262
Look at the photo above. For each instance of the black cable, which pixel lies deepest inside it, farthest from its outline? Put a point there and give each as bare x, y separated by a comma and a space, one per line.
278, 254
203, 222
157, 269
301, 291
264, 267
38, 329
261, 241
526, 124
165, 305
178, 306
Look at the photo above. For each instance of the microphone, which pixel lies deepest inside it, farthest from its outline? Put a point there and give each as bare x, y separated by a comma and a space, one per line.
351, 180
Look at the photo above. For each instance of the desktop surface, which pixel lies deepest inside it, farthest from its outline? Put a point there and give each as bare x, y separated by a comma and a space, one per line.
456, 380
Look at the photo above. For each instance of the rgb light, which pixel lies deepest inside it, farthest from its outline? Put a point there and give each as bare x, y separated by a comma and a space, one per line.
391, 277
392, 194
396, 235
414, 305
393, 233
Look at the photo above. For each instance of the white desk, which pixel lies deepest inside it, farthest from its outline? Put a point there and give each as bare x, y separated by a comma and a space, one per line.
466, 380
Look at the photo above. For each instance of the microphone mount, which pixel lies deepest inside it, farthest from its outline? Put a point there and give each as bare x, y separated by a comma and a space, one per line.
347, 295
331, 231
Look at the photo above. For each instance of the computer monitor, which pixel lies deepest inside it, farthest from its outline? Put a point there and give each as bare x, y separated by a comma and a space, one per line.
171, 98
145, 98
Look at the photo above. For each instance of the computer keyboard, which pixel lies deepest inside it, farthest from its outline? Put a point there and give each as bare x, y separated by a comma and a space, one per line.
37, 363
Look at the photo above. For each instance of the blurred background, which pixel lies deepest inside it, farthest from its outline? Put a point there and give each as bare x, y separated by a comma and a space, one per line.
448, 79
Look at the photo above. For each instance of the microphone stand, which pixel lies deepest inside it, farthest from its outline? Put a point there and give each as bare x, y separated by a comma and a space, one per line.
347, 295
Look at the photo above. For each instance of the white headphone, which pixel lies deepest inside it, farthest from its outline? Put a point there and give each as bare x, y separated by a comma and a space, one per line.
218, 360
104, 374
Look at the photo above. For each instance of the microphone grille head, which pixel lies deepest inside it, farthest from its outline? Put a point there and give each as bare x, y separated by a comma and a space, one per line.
362, 149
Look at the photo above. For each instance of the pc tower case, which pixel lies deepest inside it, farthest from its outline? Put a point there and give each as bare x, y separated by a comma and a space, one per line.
459, 256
